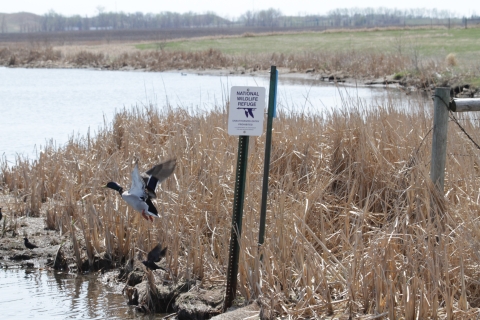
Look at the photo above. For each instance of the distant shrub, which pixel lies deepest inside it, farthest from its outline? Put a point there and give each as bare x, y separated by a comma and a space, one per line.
398, 75
451, 60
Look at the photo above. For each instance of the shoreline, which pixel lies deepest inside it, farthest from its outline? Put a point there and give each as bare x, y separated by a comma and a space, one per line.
125, 57
463, 90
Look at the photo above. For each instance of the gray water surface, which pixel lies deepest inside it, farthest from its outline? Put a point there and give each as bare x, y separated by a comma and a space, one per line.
40, 105
40, 294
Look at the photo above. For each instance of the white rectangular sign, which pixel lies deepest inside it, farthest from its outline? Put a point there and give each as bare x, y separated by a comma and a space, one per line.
246, 112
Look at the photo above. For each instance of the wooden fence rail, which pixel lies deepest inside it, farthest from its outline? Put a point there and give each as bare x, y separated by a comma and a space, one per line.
442, 106
463, 105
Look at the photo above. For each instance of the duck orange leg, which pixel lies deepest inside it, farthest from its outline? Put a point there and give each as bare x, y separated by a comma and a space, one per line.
144, 215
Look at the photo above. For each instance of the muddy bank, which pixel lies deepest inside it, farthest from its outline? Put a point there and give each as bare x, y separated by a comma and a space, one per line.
50, 243
150, 292
460, 88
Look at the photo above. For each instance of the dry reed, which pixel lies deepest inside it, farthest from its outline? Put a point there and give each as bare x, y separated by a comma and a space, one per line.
350, 62
354, 226
451, 60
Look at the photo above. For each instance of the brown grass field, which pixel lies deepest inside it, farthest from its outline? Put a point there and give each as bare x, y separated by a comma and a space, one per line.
354, 226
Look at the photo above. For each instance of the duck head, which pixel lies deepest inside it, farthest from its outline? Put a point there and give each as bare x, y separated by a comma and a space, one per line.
114, 186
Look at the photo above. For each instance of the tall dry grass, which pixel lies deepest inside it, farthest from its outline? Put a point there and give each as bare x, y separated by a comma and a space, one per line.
352, 63
354, 226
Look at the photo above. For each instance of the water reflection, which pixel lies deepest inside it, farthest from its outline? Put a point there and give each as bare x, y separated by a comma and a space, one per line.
31, 293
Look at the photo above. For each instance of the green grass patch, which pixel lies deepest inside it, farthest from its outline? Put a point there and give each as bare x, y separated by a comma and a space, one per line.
399, 75
425, 42
474, 82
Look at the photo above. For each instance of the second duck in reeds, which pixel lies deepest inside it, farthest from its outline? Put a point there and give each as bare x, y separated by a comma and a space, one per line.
143, 187
155, 255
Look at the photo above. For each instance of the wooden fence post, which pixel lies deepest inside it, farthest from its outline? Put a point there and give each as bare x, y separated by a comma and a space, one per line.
439, 142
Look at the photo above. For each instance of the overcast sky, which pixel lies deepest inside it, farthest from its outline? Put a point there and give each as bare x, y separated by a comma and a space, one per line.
226, 8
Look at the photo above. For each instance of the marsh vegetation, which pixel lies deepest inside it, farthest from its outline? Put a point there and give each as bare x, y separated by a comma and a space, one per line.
354, 226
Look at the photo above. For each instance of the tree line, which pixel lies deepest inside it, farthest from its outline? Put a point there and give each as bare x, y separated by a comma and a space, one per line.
271, 18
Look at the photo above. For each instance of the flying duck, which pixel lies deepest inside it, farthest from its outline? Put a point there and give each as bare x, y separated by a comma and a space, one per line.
28, 244
155, 255
143, 188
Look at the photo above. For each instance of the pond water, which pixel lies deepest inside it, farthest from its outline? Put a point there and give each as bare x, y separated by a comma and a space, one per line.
40, 105
40, 294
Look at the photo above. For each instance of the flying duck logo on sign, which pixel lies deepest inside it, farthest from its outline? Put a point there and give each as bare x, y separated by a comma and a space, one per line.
246, 112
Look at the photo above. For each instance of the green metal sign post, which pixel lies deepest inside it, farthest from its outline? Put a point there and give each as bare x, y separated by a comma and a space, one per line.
238, 197
245, 119
272, 97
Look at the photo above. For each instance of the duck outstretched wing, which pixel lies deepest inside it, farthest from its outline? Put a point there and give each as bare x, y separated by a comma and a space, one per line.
163, 170
138, 186
157, 174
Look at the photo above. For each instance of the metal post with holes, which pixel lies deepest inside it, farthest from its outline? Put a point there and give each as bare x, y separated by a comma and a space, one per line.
236, 231
439, 142
268, 146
